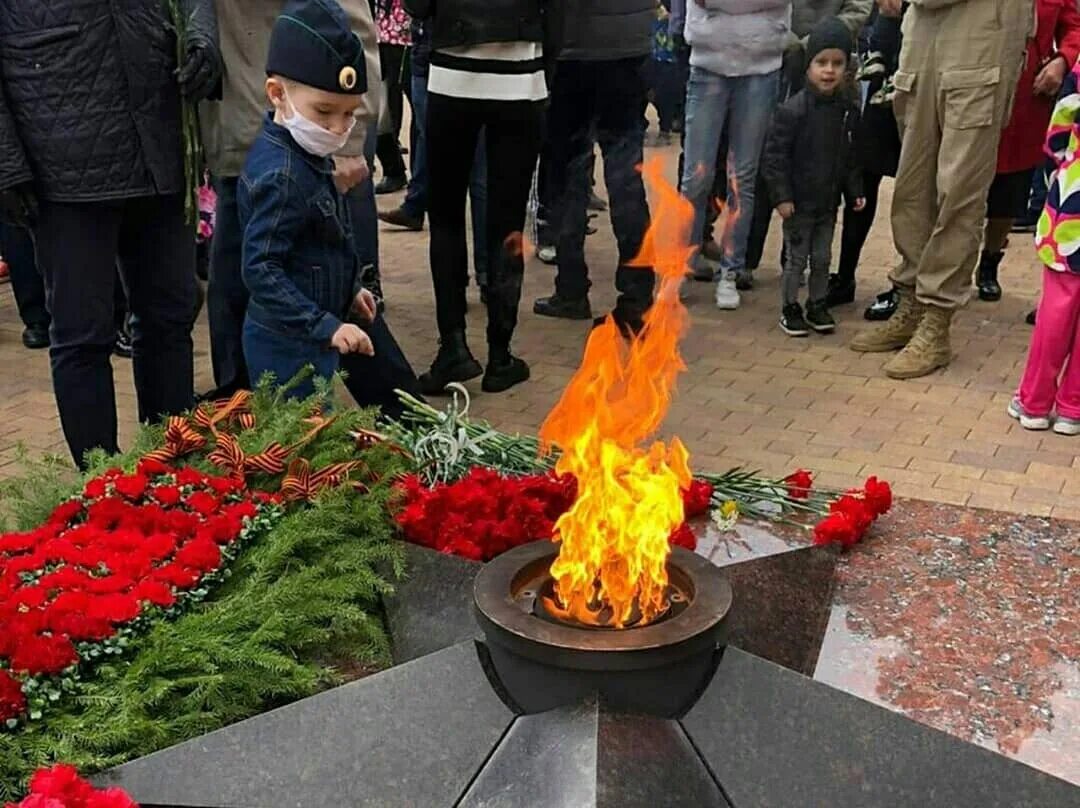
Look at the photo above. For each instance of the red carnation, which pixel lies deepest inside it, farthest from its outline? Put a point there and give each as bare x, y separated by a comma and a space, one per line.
12, 700
131, 486
107, 513
696, 498
65, 512
14, 543
61, 782
167, 495
223, 486
856, 511
203, 503
878, 496
116, 608
836, 528
200, 554
156, 592
683, 536
176, 575
189, 476
159, 546
94, 489
153, 468
41, 654
799, 484
110, 798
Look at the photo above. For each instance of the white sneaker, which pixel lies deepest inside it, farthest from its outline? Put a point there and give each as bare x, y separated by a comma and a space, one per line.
1067, 426
727, 296
547, 255
1036, 422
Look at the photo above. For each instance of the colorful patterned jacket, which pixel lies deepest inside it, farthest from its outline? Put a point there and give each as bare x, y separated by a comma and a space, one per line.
1057, 237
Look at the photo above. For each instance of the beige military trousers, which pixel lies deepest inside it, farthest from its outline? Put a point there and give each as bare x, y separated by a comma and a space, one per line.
957, 74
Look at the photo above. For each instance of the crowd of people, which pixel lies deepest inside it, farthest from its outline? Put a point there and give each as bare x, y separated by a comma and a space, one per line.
784, 109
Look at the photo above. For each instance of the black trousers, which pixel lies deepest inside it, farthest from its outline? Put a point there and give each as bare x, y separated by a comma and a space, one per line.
605, 98
78, 246
514, 132
17, 247
856, 228
387, 148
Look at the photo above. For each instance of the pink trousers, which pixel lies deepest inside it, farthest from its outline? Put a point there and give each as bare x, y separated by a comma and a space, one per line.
1054, 355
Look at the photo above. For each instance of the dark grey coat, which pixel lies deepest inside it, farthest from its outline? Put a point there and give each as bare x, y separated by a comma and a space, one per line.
89, 103
603, 30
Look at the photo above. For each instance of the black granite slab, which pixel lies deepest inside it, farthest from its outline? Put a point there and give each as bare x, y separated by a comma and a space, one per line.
776, 739
586, 757
432, 605
781, 605
410, 737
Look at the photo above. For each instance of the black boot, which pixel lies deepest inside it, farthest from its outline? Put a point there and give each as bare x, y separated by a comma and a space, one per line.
986, 277
453, 363
882, 308
504, 370
841, 291
567, 308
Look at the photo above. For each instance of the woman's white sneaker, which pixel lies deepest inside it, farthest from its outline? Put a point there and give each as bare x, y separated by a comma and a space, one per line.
1036, 422
1067, 426
727, 296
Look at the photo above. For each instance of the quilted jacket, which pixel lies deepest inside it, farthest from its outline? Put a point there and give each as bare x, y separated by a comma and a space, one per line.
1057, 237
89, 104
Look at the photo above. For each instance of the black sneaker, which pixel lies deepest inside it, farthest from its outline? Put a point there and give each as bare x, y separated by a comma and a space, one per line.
399, 217
792, 322
567, 309
453, 363
882, 308
1030, 319
122, 347
391, 185
744, 280
841, 291
819, 319
504, 374
36, 337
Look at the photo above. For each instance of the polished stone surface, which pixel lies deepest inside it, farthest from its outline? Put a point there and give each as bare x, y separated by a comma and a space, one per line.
432, 606
413, 735
776, 739
586, 757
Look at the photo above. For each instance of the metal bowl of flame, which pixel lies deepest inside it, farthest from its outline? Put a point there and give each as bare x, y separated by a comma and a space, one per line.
542, 659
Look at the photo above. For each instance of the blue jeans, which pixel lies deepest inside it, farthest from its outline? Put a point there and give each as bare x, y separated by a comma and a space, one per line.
416, 197
711, 100
268, 351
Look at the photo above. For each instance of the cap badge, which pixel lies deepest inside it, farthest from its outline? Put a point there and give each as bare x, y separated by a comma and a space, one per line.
347, 78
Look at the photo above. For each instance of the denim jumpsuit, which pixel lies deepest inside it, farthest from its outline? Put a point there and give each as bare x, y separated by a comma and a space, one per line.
299, 263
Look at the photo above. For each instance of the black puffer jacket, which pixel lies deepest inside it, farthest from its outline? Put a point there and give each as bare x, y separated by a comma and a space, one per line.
457, 23
810, 156
603, 30
89, 104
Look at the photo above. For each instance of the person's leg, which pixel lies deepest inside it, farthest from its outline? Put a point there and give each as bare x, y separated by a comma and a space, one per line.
753, 101
798, 240
27, 285
570, 147
856, 229
478, 205
373, 380
453, 128
76, 251
514, 133
157, 258
226, 296
388, 149
821, 257
622, 88
1067, 401
415, 204
284, 356
707, 100
365, 224
1051, 342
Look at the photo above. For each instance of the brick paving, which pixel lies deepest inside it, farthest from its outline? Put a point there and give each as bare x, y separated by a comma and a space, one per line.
752, 396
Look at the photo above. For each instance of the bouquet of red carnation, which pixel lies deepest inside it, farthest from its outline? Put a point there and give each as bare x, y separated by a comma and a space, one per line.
61, 787
851, 516
486, 513
130, 548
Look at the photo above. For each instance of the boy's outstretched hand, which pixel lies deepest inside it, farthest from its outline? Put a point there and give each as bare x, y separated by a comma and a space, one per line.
351, 338
786, 210
365, 306
859, 204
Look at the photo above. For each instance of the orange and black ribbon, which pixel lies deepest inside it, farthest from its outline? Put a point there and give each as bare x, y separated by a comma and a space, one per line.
181, 439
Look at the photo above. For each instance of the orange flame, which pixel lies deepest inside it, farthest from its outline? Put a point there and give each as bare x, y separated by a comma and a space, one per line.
611, 568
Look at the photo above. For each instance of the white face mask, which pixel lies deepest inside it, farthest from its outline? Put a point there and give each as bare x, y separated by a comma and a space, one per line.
311, 137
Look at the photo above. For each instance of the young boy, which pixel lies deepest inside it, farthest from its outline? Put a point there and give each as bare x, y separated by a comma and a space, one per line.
298, 259
808, 162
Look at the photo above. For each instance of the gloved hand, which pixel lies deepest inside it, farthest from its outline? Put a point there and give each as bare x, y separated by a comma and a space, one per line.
201, 71
19, 205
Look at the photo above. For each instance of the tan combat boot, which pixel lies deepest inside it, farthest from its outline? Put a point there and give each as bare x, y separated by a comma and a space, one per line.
896, 332
927, 351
